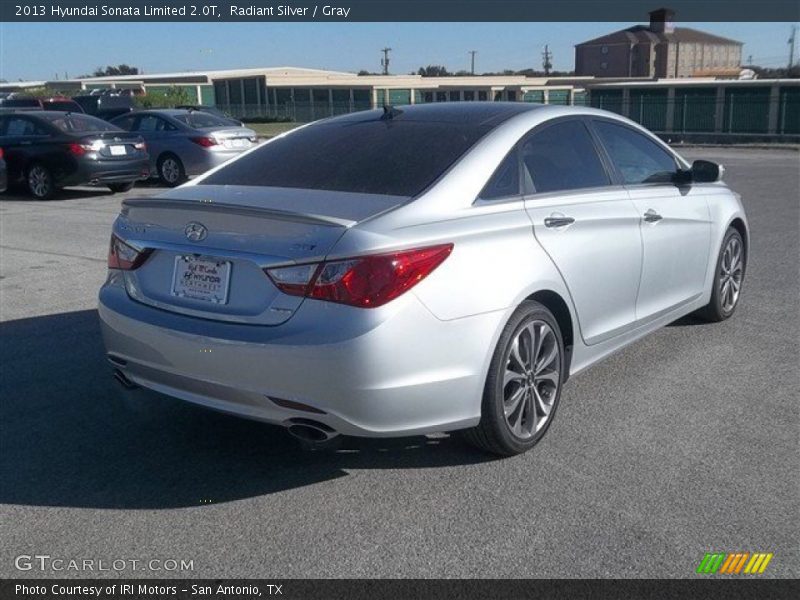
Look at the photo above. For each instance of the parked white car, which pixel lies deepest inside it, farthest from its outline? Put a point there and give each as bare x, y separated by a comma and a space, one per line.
432, 268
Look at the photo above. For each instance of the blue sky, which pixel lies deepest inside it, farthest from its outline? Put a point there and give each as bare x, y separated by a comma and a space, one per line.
40, 50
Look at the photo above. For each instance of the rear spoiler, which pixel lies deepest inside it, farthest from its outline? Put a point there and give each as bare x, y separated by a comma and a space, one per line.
211, 206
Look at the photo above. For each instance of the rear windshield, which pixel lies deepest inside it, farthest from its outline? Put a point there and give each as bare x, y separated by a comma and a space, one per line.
74, 123
398, 157
201, 120
65, 105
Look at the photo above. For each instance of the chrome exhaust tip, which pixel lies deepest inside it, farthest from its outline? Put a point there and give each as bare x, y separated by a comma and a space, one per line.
313, 434
124, 381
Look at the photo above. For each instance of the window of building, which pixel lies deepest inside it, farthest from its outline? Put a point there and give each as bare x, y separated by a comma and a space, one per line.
483, 96
511, 95
454, 96
469, 95
637, 158
562, 157
441, 96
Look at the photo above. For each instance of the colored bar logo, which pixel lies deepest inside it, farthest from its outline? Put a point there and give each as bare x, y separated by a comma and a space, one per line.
734, 563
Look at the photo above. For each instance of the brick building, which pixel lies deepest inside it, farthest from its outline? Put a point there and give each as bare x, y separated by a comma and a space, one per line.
657, 50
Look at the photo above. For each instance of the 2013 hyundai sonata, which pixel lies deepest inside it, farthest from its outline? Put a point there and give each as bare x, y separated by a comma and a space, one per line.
432, 268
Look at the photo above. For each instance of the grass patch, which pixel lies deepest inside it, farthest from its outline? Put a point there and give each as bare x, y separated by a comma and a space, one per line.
271, 129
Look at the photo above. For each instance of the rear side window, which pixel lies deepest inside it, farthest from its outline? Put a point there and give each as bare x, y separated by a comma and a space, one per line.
20, 126
150, 123
504, 183
398, 157
563, 157
637, 158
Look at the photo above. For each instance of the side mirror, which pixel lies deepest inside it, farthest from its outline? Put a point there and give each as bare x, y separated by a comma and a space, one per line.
705, 171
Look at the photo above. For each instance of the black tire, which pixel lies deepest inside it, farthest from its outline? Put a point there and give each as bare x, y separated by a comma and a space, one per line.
120, 188
494, 433
719, 307
40, 182
170, 170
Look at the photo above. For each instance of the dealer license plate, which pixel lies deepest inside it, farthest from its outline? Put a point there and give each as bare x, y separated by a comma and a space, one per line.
201, 278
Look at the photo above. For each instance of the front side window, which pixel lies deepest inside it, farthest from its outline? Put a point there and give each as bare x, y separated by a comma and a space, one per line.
563, 157
637, 158
504, 183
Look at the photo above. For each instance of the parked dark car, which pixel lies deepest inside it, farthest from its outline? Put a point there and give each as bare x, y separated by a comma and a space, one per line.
48, 150
104, 106
3, 173
21, 103
61, 103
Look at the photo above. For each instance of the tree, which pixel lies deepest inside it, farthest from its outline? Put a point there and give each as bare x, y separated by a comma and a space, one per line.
172, 97
112, 71
433, 71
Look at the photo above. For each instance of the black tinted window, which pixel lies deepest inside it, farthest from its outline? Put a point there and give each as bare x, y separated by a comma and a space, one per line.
20, 126
505, 180
79, 123
396, 157
637, 158
563, 157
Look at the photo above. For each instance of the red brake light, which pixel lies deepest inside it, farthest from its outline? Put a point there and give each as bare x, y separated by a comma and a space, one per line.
125, 257
78, 149
1, 154
205, 141
366, 282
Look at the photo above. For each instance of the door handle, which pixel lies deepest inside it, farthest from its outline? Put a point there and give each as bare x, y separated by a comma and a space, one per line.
556, 222
651, 216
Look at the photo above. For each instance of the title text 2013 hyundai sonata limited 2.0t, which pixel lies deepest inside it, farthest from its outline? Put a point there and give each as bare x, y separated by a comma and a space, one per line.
430, 268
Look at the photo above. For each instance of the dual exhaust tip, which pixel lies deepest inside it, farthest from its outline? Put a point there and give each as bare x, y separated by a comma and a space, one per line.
312, 434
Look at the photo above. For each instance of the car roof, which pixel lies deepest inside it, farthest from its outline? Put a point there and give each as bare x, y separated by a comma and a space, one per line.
465, 113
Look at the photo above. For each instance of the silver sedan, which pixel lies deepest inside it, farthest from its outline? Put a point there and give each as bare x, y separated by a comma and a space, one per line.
182, 143
431, 268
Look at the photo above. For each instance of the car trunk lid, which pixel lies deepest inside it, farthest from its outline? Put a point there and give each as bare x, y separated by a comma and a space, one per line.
228, 235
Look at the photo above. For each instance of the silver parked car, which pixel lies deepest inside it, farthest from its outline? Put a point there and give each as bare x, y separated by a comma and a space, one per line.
432, 268
186, 142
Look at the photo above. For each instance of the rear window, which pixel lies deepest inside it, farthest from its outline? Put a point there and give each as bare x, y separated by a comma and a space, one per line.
74, 123
65, 105
201, 120
398, 157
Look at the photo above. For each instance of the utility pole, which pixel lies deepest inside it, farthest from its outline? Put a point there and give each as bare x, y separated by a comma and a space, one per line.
472, 54
749, 60
791, 46
547, 58
385, 60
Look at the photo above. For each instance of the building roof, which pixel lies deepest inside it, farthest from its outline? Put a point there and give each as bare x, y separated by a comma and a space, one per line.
643, 33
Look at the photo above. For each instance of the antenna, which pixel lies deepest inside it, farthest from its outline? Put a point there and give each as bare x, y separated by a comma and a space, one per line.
547, 58
472, 54
385, 60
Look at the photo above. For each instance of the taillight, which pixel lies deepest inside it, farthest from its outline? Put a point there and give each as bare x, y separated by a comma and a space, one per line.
205, 141
77, 149
366, 281
1, 154
140, 146
125, 257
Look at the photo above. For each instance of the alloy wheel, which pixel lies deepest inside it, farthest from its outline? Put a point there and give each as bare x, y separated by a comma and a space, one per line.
39, 181
531, 378
730, 274
170, 170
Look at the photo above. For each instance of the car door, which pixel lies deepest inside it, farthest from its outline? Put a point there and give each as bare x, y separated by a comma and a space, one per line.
156, 133
23, 140
586, 224
675, 222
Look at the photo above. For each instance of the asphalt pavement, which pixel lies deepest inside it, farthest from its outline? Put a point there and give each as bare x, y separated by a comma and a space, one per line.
684, 443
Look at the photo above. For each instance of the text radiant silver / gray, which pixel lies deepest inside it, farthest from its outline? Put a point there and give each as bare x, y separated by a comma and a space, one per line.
431, 268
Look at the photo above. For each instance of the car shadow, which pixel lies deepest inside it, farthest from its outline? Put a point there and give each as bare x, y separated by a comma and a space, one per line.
689, 321
20, 194
71, 436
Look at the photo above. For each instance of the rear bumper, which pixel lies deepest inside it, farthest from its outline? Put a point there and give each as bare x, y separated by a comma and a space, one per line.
108, 172
202, 160
385, 372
